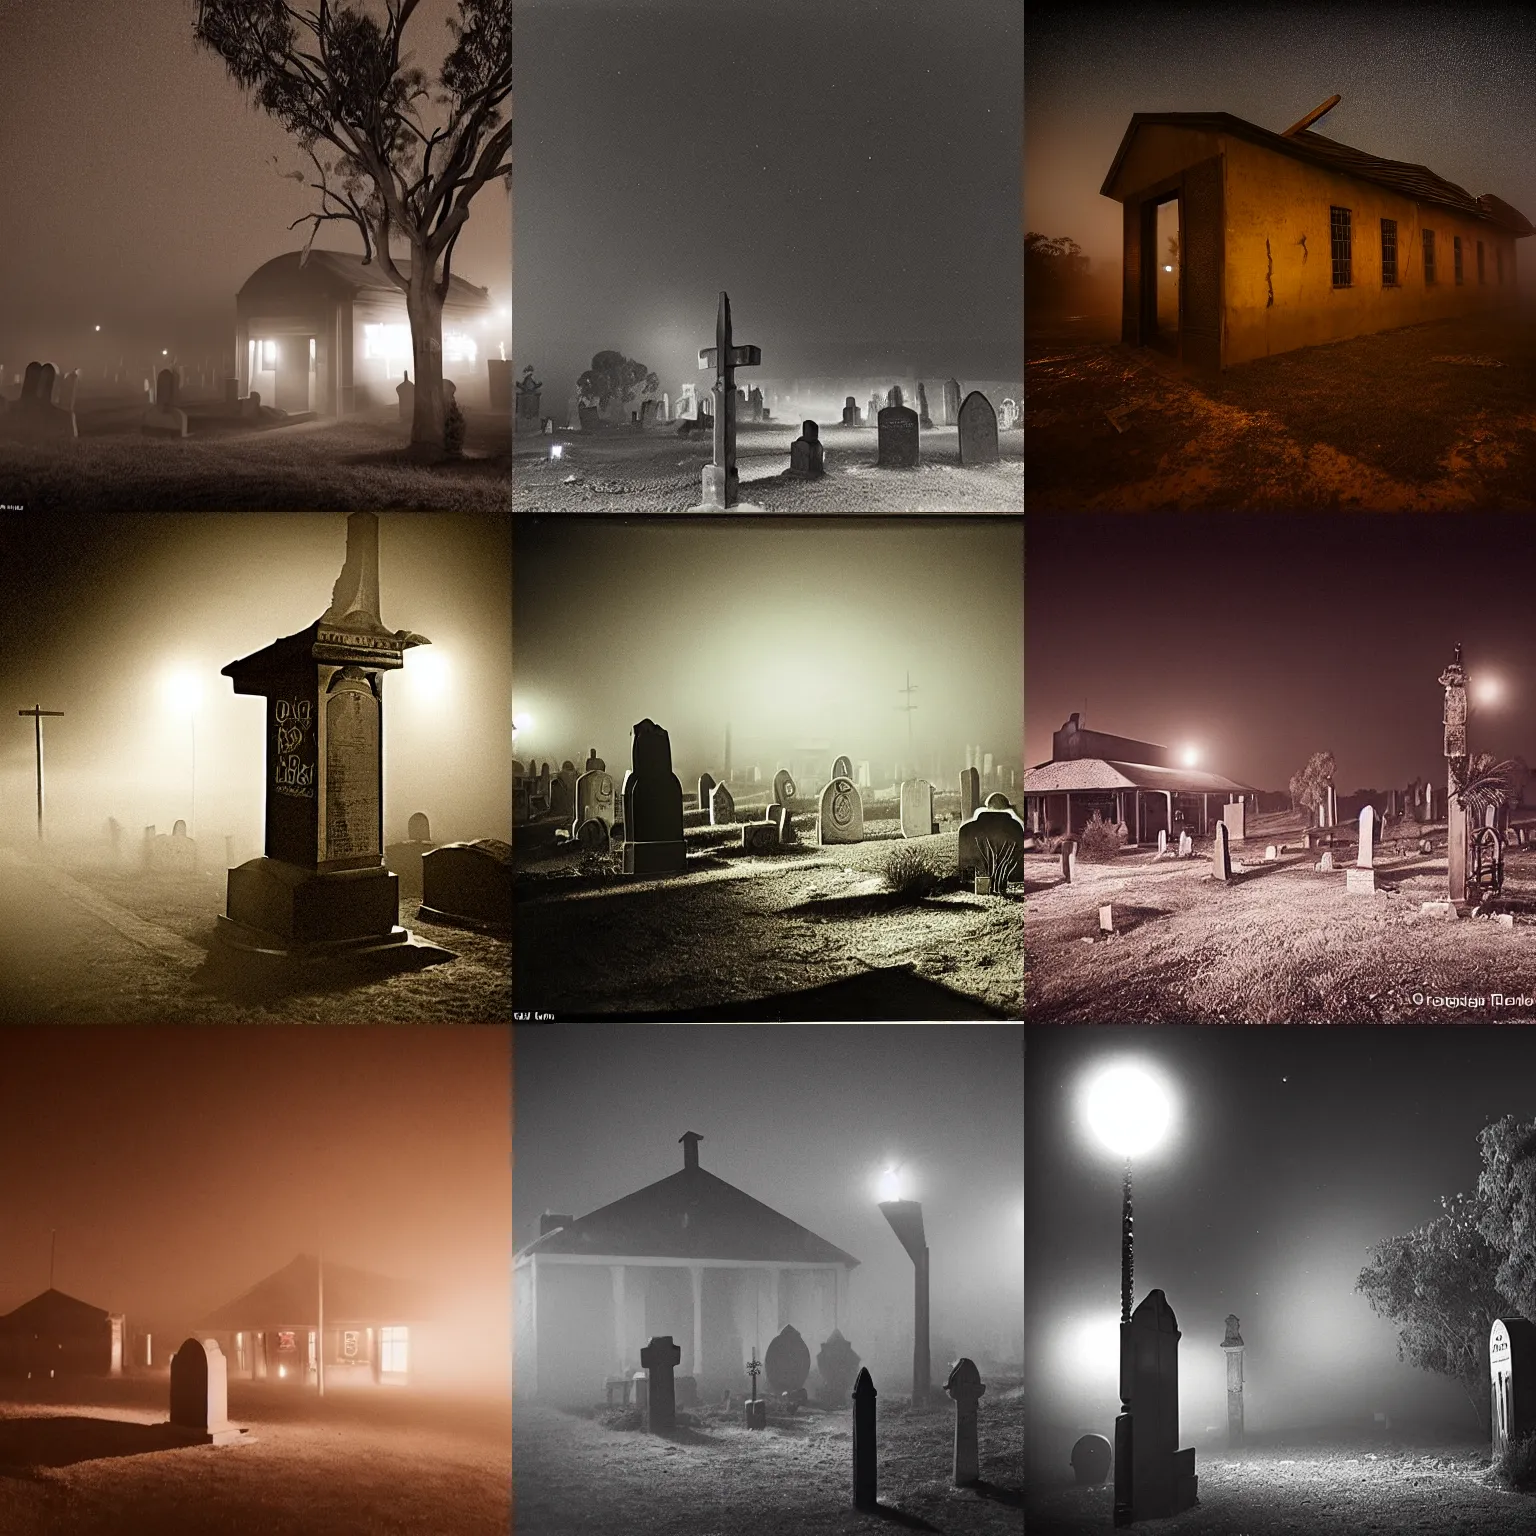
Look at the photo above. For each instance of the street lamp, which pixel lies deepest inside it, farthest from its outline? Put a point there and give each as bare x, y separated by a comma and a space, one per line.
906, 1219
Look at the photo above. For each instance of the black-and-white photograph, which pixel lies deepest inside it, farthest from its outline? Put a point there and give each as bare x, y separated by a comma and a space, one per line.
769, 256
257, 255
257, 767
768, 769
769, 1279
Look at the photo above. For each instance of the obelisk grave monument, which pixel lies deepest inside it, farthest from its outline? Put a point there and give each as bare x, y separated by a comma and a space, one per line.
322, 889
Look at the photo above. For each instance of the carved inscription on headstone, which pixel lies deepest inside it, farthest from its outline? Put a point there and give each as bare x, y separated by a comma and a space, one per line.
352, 772
293, 748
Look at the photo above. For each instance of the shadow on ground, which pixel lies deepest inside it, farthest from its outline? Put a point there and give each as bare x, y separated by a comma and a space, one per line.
62, 1440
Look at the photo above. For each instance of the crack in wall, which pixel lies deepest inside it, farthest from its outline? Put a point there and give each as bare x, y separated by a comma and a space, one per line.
1269, 273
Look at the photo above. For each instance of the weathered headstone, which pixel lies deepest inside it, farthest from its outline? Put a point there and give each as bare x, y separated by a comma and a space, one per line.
992, 843
1233, 1347
1235, 815
562, 793
923, 418
1221, 854
783, 819
1365, 853
419, 829
1186, 845
1153, 1478
806, 456
864, 1476
468, 882
1512, 1368
660, 1358
872, 415
841, 813
1162, 842
965, 1388
593, 762
999, 802
721, 806
836, 1363
594, 805
898, 438
850, 412
1326, 862
1271, 853
200, 1393
1091, 1457
1107, 918
893, 396
787, 1360
916, 809
759, 837
653, 807
405, 394
970, 792
842, 767
951, 402
978, 430
706, 787
720, 478
783, 787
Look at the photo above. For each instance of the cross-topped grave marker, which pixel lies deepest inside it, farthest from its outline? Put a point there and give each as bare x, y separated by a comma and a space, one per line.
38, 712
660, 1357
725, 358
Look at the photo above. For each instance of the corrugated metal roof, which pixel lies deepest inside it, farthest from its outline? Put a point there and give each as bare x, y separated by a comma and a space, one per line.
1097, 773
290, 1296
691, 1215
1401, 176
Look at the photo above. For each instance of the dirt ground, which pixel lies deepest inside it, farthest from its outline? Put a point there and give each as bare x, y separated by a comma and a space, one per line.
808, 933
1283, 943
612, 470
98, 1466
355, 464
84, 943
714, 1477
1310, 1490
1432, 417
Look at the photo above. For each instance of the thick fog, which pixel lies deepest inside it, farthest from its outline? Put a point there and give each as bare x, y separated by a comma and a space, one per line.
124, 622
179, 1167
1290, 1153
807, 1120
799, 637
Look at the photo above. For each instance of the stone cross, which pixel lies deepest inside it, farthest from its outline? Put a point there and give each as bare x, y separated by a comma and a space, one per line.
965, 1387
864, 1395
725, 358
660, 1357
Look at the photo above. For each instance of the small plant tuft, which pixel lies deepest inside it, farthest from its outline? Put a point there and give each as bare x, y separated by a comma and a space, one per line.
1517, 1462
1099, 842
908, 873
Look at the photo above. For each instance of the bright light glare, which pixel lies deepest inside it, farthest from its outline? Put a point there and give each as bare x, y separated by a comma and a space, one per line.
1167, 269
521, 722
1127, 1109
557, 450
282, 1370
428, 671
1191, 757
1489, 690
890, 1184
182, 691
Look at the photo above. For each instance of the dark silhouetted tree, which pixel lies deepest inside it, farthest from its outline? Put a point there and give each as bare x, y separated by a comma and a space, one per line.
397, 155
613, 379
1309, 784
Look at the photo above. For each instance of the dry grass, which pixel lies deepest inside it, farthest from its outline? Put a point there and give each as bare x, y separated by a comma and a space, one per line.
736, 929
1283, 943
717, 1478
1381, 421
658, 471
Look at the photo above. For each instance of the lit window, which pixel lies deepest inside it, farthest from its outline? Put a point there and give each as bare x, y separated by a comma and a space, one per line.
387, 342
269, 354
1340, 230
458, 347
393, 1349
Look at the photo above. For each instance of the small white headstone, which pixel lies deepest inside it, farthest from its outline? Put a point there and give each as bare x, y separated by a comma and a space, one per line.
1363, 858
1326, 863
1107, 919
1186, 845
1441, 909
1162, 844
1271, 853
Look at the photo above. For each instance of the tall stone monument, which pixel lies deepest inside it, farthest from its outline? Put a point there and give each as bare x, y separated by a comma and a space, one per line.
1153, 1478
653, 807
720, 478
1454, 681
1233, 1346
322, 889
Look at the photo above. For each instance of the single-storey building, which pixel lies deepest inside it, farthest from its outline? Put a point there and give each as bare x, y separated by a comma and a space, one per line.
331, 335
1134, 782
691, 1257
58, 1335
272, 1332
1240, 242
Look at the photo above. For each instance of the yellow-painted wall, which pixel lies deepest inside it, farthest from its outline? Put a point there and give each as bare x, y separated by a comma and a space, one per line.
1271, 201
1158, 152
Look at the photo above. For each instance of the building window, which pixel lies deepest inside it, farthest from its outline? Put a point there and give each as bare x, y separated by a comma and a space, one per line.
1339, 220
1456, 255
1389, 253
1429, 257
393, 1350
1480, 277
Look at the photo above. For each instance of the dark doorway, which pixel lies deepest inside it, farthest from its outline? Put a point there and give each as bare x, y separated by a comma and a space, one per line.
295, 373
1153, 818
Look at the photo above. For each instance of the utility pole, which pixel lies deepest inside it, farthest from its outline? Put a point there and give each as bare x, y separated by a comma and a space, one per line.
908, 707
37, 713
320, 1325
53, 1244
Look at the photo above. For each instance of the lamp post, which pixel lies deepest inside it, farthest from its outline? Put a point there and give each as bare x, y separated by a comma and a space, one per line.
906, 1219
1454, 681
1128, 1111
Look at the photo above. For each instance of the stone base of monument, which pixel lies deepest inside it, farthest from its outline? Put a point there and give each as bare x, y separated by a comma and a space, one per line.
229, 1435
669, 858
1360, 882
757, 1413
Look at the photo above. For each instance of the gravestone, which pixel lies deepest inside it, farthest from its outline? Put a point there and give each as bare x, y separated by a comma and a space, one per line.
418, 829
842, 768
200, 1393
1235, 815
165, 418
1186, 845
1512, 1369
1221, 853
1232, 1346
1326, 862
898, 438
405, 858
966, 1389
1365, 854
173, 855
468, 883
991, 843
999, 802
721, 806
1271, 853
322, 881
864, 1475
951, 402
970, 792
840, 818
806, 458
783, 819
923, 418
562, 793
1153, 1478
872, 415
653, 806
917, 809
836, 1363
64, 397
1091, 1456
850, 412
405, 393
592, 825
1162, 842
759, 837
783, 787
720, 477
893, 396
593, 763
978, 430
37, 414
706, 786
787, 1361
660, 1357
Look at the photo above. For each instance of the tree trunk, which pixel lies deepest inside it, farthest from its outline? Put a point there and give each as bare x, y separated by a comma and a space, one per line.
425, 310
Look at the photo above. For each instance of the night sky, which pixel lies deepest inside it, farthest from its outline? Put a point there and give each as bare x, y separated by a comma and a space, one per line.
849, 173
1448, 87
1292, 1152
1261, 639
181, 1166
139, 185
790, 631
96, 619
805, 1119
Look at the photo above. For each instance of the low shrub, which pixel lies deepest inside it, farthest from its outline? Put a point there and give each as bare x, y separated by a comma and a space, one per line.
908, 873
1100, 841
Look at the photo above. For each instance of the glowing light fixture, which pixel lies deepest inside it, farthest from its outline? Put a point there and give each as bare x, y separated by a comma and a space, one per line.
282, 1370
428, 672
165, 352
98, 327
521, 722
1167, 269
557, 450
1489, 690
1127, 1108
182, 690
1190, 757
890, 1184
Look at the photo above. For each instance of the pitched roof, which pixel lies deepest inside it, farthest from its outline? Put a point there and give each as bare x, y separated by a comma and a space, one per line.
290, 1296
52, 1311
1098, 773
691, 1215
1401, 176
343, 274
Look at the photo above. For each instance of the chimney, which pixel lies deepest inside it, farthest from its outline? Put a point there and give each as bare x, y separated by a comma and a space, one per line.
550, 1222
690, 1141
